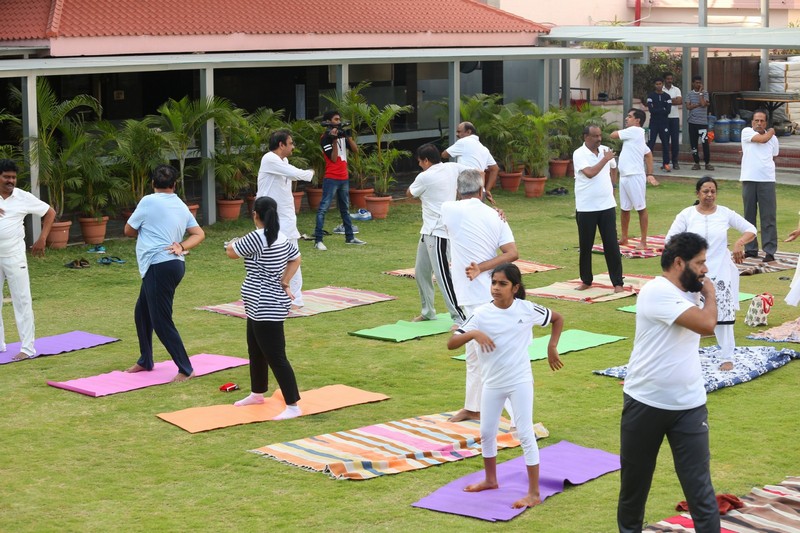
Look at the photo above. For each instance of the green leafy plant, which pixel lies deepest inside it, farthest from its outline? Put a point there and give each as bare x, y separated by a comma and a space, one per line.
534, 149
137, 149
59, 161
353, 108
504, 130
234, 161
381, 160
307, 150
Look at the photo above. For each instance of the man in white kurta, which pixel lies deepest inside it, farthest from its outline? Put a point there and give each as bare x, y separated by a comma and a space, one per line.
15, 204
275, 179
476, 231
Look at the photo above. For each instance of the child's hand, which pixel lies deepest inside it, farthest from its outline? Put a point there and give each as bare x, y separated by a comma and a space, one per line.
553, 358
486, 343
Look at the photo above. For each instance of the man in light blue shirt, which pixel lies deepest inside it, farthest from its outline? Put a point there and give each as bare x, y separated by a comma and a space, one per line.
159, 222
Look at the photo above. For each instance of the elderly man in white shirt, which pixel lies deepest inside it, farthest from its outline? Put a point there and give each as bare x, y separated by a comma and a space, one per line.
471, 153
275, 179
15, 204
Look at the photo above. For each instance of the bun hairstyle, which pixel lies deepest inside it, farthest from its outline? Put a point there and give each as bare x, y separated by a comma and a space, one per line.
266, 209
513, 275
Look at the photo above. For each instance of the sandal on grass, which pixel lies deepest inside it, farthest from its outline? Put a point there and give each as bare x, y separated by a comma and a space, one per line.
104, 261
73, 264
83, 263
115, 259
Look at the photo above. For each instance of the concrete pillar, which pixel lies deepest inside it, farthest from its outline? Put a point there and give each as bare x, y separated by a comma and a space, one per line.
454, 97
30, 132
208, 204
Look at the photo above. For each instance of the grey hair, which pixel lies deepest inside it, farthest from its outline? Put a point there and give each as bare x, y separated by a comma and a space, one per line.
470, 182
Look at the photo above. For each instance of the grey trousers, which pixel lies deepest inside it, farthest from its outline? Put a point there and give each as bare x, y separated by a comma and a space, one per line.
433, 257
759, 198
641, 432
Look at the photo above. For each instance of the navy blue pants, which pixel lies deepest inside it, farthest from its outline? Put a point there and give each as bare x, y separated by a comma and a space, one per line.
659, 128
153, 312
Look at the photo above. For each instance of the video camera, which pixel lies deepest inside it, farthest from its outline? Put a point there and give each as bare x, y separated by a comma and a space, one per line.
341, 127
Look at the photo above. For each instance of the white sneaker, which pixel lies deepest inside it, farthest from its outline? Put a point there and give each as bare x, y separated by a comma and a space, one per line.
320, 246
339, 230
355, 240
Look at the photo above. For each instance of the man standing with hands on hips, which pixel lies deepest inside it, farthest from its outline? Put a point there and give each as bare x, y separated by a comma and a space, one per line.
759, 148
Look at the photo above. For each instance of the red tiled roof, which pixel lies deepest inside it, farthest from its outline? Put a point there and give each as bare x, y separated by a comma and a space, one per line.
47, 19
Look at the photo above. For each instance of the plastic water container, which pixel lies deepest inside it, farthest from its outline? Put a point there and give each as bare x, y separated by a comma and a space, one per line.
737, 125
722, 130
712, 119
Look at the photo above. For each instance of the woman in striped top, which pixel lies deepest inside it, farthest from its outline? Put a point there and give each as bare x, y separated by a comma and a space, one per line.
270, 261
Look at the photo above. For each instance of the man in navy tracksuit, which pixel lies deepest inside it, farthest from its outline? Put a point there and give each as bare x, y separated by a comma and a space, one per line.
659, 103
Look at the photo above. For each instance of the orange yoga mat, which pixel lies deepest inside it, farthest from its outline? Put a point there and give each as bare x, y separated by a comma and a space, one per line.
328, 398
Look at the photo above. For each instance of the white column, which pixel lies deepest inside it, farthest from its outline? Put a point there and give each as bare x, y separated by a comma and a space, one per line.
454, 97
209, 193
30, 133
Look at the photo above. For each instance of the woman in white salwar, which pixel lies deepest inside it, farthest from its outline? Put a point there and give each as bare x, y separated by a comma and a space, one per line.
712, 222
793, 298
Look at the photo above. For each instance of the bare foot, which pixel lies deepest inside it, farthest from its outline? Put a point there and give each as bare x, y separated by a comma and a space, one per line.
21, 356
582, 287
641, 246
483, 485
464, 415
726, 366
135, 368
619, 288
182, 377
623, 242
527, 501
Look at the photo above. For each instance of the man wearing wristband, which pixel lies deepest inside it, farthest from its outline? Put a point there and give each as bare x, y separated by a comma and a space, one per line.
633, 177
159, 223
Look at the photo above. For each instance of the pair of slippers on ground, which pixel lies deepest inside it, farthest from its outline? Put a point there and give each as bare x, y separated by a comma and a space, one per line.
560, 191
83, 263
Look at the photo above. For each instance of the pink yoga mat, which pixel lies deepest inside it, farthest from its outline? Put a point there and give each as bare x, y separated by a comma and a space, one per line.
56, 344
560, 464
163, 372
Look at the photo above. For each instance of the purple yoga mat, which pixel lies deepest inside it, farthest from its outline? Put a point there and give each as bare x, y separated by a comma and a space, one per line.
559, 463
66, 342
163, 372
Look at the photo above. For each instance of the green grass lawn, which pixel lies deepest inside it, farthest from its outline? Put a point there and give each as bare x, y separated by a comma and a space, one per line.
75, 463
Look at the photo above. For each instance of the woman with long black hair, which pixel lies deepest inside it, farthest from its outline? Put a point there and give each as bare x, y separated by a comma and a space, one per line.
270, 261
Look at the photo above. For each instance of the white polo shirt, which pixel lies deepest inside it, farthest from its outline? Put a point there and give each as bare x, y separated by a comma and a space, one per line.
434, 187
12, 228
470, 152
597, 193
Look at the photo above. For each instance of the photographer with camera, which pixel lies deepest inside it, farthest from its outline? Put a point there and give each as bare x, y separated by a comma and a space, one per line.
335, 142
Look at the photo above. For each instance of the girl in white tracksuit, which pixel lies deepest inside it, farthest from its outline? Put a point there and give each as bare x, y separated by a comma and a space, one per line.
502, 328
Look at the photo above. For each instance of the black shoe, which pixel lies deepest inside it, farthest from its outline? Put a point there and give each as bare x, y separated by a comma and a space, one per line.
769, 258
750, 253
676, 166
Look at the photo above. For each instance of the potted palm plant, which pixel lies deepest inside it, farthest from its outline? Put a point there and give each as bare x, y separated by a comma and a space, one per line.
57, 171
308, 154
536, 152
380, 161
94, 191
502, 134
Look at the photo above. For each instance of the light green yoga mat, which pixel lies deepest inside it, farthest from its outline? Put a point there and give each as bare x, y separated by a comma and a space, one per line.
405, 330
571, 340
743, 297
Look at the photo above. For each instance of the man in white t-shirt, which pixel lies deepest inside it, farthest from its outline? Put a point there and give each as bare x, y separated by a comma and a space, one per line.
674, 117
15, 205
633, 177
275, 177
471, 153
595, 206
664, 392
476, 231
759, 148
435, 185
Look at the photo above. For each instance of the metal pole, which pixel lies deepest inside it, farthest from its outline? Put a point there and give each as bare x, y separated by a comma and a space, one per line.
686, 85
30, 132
454, 97
765, 51
627, 86
702, 53
208, 203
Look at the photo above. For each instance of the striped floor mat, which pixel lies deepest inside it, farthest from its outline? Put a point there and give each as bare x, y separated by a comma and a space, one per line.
755, 265
771, 508
525, 267
390, 448
655, 245
601, 290
317, 301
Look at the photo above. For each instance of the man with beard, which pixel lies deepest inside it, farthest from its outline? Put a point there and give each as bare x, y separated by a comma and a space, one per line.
664, 393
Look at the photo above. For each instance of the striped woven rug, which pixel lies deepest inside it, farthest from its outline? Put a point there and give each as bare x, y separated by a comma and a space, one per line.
771, 508
317, 301
390, 448
602, 290
655, 245
525, 267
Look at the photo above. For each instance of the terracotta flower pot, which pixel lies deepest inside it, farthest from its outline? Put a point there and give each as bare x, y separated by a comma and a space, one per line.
93, 229
558, 167
510, 181
298, 201
314, 197
534, 187
59, 235
357, 197
378, 205
193, 209
229, 209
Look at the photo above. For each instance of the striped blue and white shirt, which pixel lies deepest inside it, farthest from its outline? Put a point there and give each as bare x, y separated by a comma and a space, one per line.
264, 298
